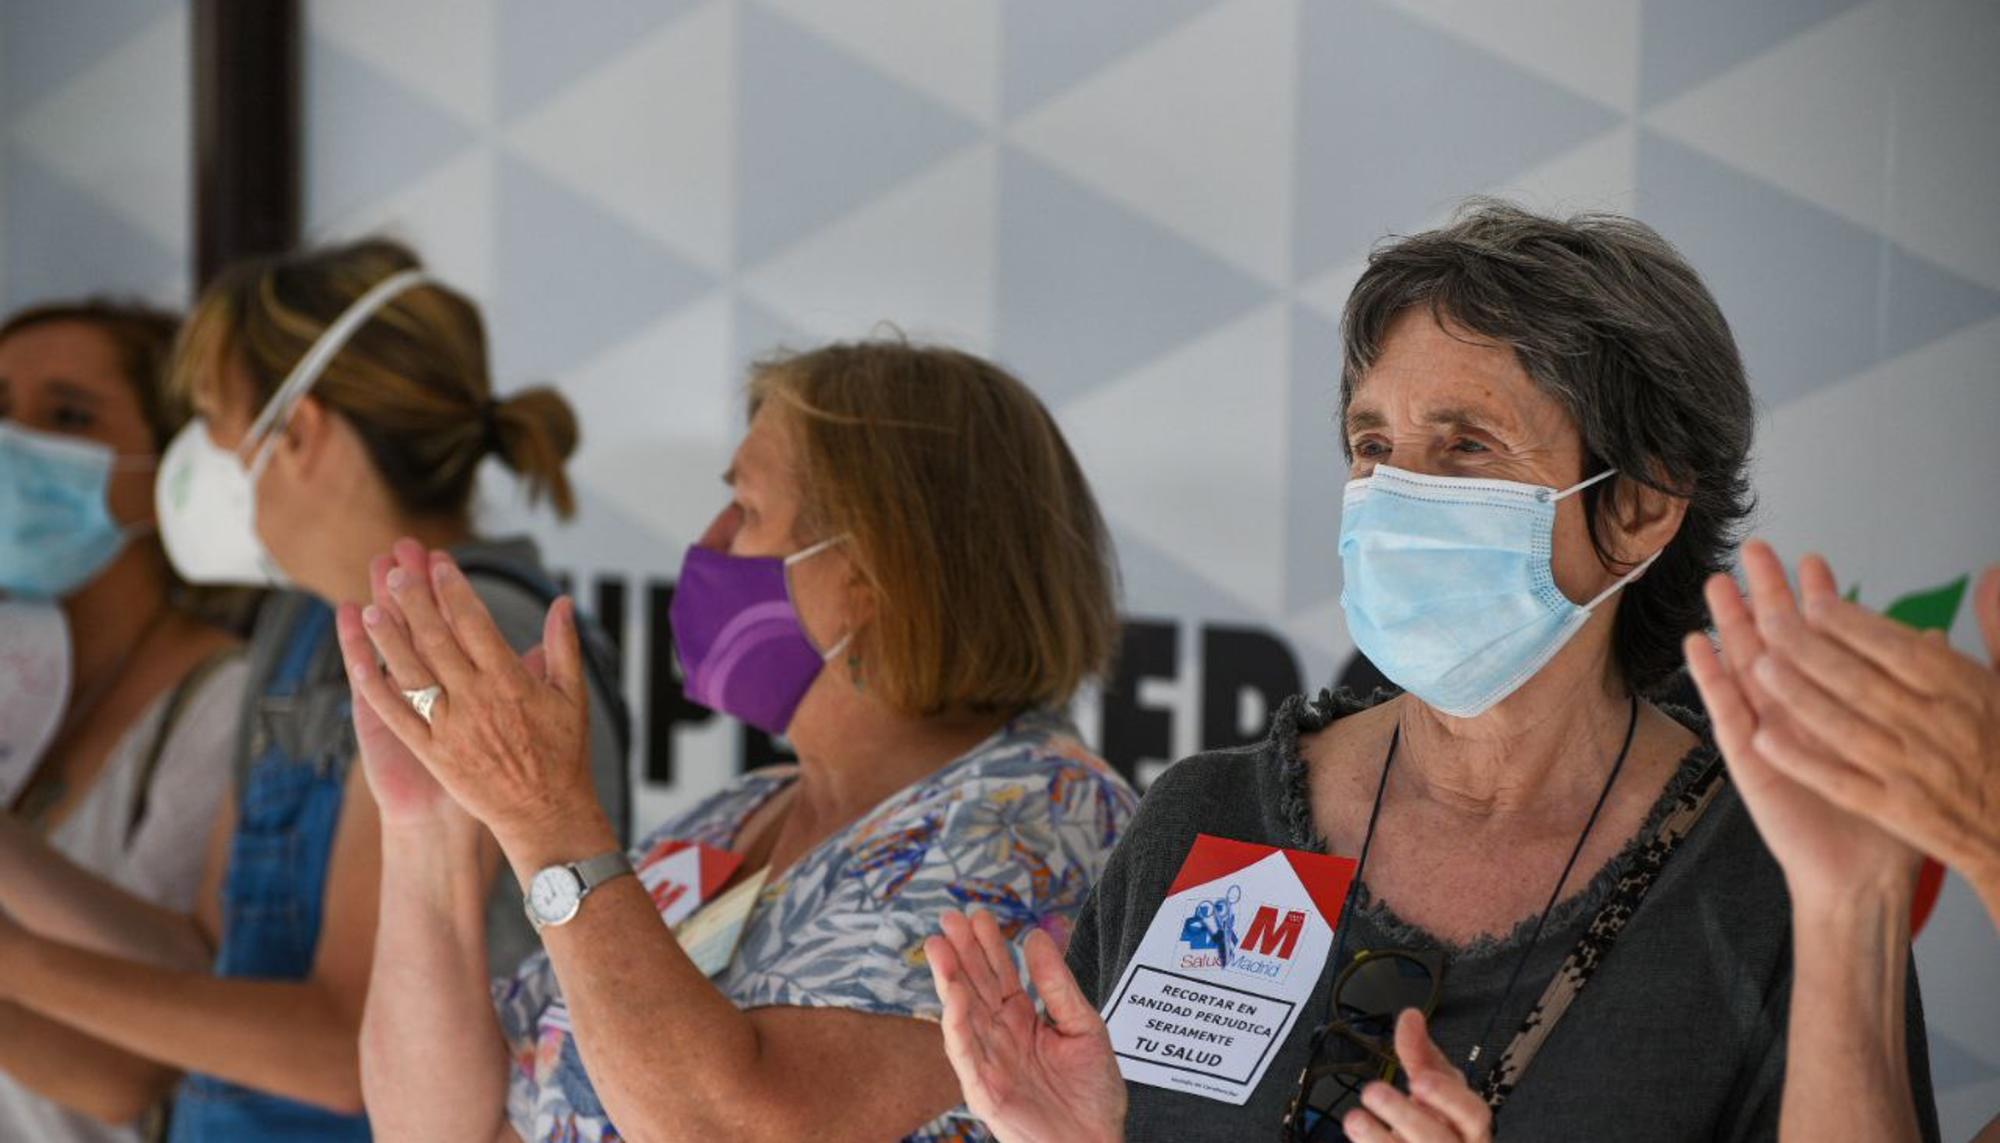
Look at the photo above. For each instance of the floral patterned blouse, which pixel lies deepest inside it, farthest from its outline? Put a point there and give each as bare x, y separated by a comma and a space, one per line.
1020, 825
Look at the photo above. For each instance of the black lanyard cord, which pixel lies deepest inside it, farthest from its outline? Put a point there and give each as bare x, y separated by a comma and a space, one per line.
1555, 894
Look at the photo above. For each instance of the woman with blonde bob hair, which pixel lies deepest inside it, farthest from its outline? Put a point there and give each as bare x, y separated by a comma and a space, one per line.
909, 582
342, 400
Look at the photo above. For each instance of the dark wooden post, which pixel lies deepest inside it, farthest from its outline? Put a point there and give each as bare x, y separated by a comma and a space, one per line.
246, 130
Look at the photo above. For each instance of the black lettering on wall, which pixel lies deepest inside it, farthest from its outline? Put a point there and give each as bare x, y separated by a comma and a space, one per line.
667, 707
1134, 733
607, 606
1235, 660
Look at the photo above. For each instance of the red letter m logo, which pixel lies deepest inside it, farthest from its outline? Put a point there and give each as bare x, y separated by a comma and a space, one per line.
1271, 937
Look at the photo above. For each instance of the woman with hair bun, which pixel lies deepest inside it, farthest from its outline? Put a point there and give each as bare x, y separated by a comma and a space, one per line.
343, 401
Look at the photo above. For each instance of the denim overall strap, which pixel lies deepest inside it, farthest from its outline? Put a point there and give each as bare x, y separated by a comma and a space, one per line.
273, 892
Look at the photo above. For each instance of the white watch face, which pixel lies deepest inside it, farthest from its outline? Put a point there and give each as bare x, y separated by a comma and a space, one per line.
554, 894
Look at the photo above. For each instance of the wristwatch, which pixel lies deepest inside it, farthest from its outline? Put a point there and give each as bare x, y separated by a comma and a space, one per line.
556, 892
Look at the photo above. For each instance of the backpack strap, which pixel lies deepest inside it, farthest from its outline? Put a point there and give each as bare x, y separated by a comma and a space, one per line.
1597, 940
184, 692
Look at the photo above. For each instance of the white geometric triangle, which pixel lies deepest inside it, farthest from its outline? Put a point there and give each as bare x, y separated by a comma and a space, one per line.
1878, 523
920, 256
630, 474
948, 51
1187, 452
648, 136
1194, 131
1321, 632
446, 216
441, 48
1588, 46
132, 152
668, 414
1600, 175
1327, 293
670, 380
1812, 115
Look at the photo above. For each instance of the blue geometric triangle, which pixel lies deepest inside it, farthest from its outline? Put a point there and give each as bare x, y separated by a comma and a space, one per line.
1046, 48
573, 280
372, 135
1088, 291
1685, 42
1953, 1065
1927, 302
1803, 288
1373, 83
543, 47
62, 244
48, 44
819, 132
1315, 469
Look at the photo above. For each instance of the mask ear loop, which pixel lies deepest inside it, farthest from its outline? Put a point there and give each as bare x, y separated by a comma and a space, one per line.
1573, 489
798, 557
1629, 576
1624, 580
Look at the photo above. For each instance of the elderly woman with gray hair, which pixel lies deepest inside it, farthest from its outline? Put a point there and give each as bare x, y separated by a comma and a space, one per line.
1549, 427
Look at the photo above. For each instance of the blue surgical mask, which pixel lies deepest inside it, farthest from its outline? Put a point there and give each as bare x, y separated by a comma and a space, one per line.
1449, 589
56, 530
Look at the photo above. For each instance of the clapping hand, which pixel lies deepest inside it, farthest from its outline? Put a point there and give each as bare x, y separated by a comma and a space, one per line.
1898, 727
1032, 1079
1825, 849
507, 735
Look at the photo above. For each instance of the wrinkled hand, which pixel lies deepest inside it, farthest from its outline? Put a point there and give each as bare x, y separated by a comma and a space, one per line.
1826, 851
1900, 728
1033, 1080
509, 737
1440, 1107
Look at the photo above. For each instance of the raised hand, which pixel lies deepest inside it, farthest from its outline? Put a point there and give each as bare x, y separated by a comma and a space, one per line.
405, 792
1440, 1108
1825, 850
1899, 728
1033, 1080
508, 738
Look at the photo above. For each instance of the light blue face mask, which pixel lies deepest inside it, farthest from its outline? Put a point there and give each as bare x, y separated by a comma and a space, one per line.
1449, 589
56, 530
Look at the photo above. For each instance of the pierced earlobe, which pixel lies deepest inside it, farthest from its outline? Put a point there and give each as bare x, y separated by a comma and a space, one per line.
854, 672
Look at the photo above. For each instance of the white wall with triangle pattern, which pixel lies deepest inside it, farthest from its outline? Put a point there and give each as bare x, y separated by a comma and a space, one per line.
1152, 210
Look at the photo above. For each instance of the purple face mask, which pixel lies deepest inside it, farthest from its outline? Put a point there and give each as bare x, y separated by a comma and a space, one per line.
743, 649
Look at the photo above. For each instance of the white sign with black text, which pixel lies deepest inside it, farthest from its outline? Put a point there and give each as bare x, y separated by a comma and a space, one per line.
1225, 968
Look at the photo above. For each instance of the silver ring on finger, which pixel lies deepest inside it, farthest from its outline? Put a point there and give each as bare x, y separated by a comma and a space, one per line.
422, 701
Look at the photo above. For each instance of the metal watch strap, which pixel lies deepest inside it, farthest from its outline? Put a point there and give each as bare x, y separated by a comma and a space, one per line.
597, 870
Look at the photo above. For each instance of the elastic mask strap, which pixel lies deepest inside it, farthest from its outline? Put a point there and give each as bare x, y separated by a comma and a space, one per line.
318, 357
833, 652
1576, 488
1635, 573
802, 556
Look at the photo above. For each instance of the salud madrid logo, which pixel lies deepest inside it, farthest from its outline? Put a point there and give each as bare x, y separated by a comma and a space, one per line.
1263, 951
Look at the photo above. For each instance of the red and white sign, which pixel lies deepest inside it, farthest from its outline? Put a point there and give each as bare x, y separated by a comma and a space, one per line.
1226, 966
682, 875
